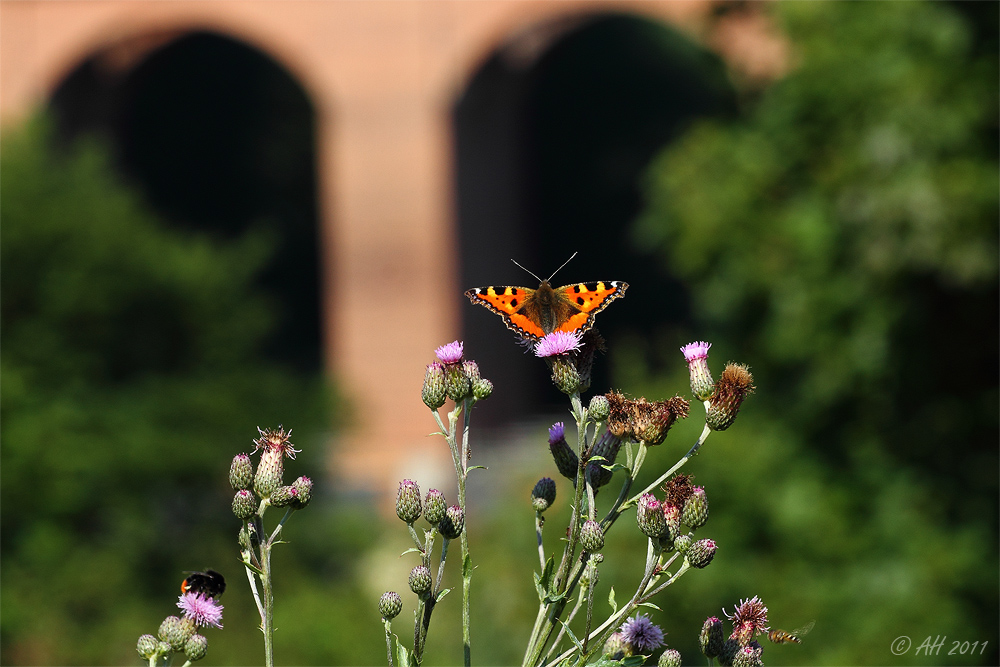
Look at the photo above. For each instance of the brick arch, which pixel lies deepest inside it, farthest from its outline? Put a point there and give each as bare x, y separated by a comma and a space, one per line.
383, 76
124, 36
529, 27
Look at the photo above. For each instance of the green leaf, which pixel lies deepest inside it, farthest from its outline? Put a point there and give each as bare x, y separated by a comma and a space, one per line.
544, 580
605, 661
649, 604
634, 660
554, 598
441, 595
467, 567
409, 551
612, 601
477, 468
538, 587
576, 642
402, 655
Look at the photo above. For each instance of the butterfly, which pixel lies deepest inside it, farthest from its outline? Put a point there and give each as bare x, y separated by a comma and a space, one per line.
534, 313
209, 582
782, 637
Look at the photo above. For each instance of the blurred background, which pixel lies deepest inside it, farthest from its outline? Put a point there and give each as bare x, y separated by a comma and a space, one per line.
218, 216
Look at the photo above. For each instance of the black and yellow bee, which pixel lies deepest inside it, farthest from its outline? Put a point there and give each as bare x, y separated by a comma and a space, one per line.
782, 637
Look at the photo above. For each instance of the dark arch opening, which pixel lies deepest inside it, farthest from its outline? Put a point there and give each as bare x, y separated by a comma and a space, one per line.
551, 153
219, 138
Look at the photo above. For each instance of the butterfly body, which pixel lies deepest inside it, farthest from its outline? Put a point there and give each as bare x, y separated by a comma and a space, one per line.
782, 637
535, 313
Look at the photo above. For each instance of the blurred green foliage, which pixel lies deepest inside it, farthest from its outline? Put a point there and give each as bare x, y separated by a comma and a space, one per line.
840, 236
132, 374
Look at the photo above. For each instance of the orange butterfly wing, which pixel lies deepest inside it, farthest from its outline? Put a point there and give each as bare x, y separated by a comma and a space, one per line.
508, 303
585, 301
534, 313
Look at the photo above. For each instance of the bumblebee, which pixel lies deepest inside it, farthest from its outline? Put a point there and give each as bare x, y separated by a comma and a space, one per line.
209, 583
782, 637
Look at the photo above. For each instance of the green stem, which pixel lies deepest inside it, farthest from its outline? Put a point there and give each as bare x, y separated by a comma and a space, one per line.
388, 641
677, 466
590, 602
559, 587
460, 458
652, 556
539, 524
267, 627
463, 473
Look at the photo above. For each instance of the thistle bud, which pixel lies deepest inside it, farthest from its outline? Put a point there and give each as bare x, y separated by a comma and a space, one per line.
599, 408
669, 658
728, 652
303, 487
433, 392
672, 516
456, 382
243, 537
434, 507
241, 472
711, 637
620, 416
701, 553
195, 648
695, 512
616, 647
453, 523
269, 472
683, 543
544, 494
591, 536
420, 581
749, 655
652, 421
607, 447
389, 605
244, 504
696, 355
146, 646
565, 375
567, 462
173, 632
591, 575
408, 501
734, 385
649, 516
283, 496
481, 389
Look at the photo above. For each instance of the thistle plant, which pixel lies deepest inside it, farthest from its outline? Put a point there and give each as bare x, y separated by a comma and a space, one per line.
256, 491
668, 511
179, 634
741, 649
449, 377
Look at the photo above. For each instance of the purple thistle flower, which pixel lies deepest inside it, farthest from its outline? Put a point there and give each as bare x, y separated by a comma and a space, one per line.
696, 350
749, 619
556, 343
641, 634
204, 611
450, 353
557, 432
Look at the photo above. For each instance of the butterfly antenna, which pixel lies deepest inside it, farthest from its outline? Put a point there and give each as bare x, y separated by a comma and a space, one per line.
560, 268
529, 272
